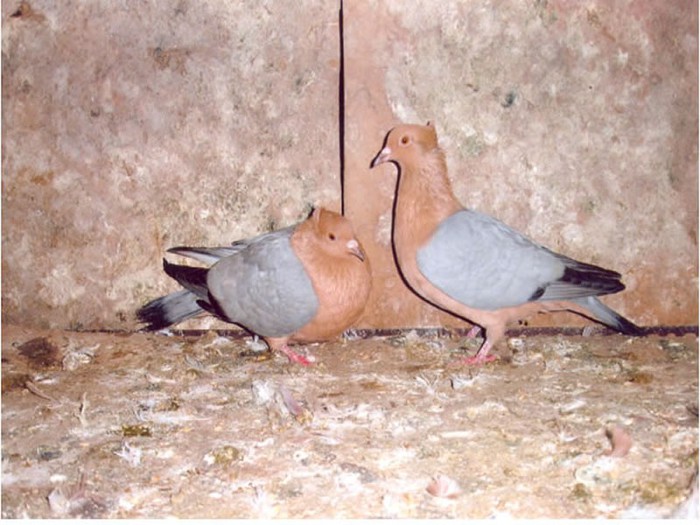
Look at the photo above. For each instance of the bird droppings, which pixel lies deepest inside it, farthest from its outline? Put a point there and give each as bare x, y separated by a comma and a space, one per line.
40, 352
381, 427
509, 99
139, 430
223, 456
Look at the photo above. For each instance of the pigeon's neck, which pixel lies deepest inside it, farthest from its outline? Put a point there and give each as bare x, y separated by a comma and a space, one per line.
424, 198
424, 188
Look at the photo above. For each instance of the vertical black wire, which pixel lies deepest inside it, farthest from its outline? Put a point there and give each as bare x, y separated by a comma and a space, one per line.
341, 110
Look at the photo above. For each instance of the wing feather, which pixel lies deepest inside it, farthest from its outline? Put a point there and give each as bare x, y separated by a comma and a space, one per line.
485, 264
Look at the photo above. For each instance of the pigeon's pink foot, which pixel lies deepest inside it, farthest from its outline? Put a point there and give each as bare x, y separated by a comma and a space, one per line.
294, 357
482, 356
471, 334
478, 360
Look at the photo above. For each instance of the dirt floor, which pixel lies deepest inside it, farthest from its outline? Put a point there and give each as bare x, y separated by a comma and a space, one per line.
149, 425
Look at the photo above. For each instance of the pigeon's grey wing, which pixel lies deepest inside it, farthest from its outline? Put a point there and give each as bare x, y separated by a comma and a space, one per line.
265, 237
264, 288
482, 263
210, 256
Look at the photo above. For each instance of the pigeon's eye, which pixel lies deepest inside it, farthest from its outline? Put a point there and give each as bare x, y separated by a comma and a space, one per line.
405, 140
331, 236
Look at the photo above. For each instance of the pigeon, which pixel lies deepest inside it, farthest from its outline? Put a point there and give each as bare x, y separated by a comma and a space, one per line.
303, 283
473, 265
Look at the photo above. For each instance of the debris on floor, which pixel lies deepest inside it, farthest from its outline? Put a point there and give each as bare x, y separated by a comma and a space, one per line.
100, 425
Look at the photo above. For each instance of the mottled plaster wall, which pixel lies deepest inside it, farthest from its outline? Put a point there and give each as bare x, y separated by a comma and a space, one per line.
129, 128
575, 122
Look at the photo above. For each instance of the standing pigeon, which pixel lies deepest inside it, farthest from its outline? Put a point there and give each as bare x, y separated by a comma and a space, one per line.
303, 283
473, 265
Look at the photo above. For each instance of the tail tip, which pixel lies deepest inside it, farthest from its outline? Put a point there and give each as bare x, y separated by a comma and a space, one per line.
627, 327
152, 318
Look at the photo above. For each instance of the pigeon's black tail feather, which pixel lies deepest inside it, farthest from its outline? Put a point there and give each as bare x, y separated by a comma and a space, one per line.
178, 306
594, 278
192, 278
169, 310
608, 316
627, 327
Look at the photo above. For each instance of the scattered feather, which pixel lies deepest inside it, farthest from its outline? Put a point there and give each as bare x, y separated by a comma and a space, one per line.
256, 344
58, 502
588, 331
82, 411
428, 383
76, 358
132, 455
621, 442
292, 405
443, 486
263, 391
195, 363
463, 381
572, 406
38, 392
300, 413
516, 343
262, 503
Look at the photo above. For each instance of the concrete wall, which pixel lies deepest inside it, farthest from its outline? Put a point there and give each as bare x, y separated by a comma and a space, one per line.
132, 127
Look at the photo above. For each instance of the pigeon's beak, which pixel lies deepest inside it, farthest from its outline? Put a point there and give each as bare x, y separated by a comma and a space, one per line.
382, 156
355, 249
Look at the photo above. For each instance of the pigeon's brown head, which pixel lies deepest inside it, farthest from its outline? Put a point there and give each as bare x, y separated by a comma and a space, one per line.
335, 235
406, 143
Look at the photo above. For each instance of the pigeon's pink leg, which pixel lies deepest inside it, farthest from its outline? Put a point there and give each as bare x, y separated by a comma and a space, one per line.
471, 334
294, 357
482, 356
